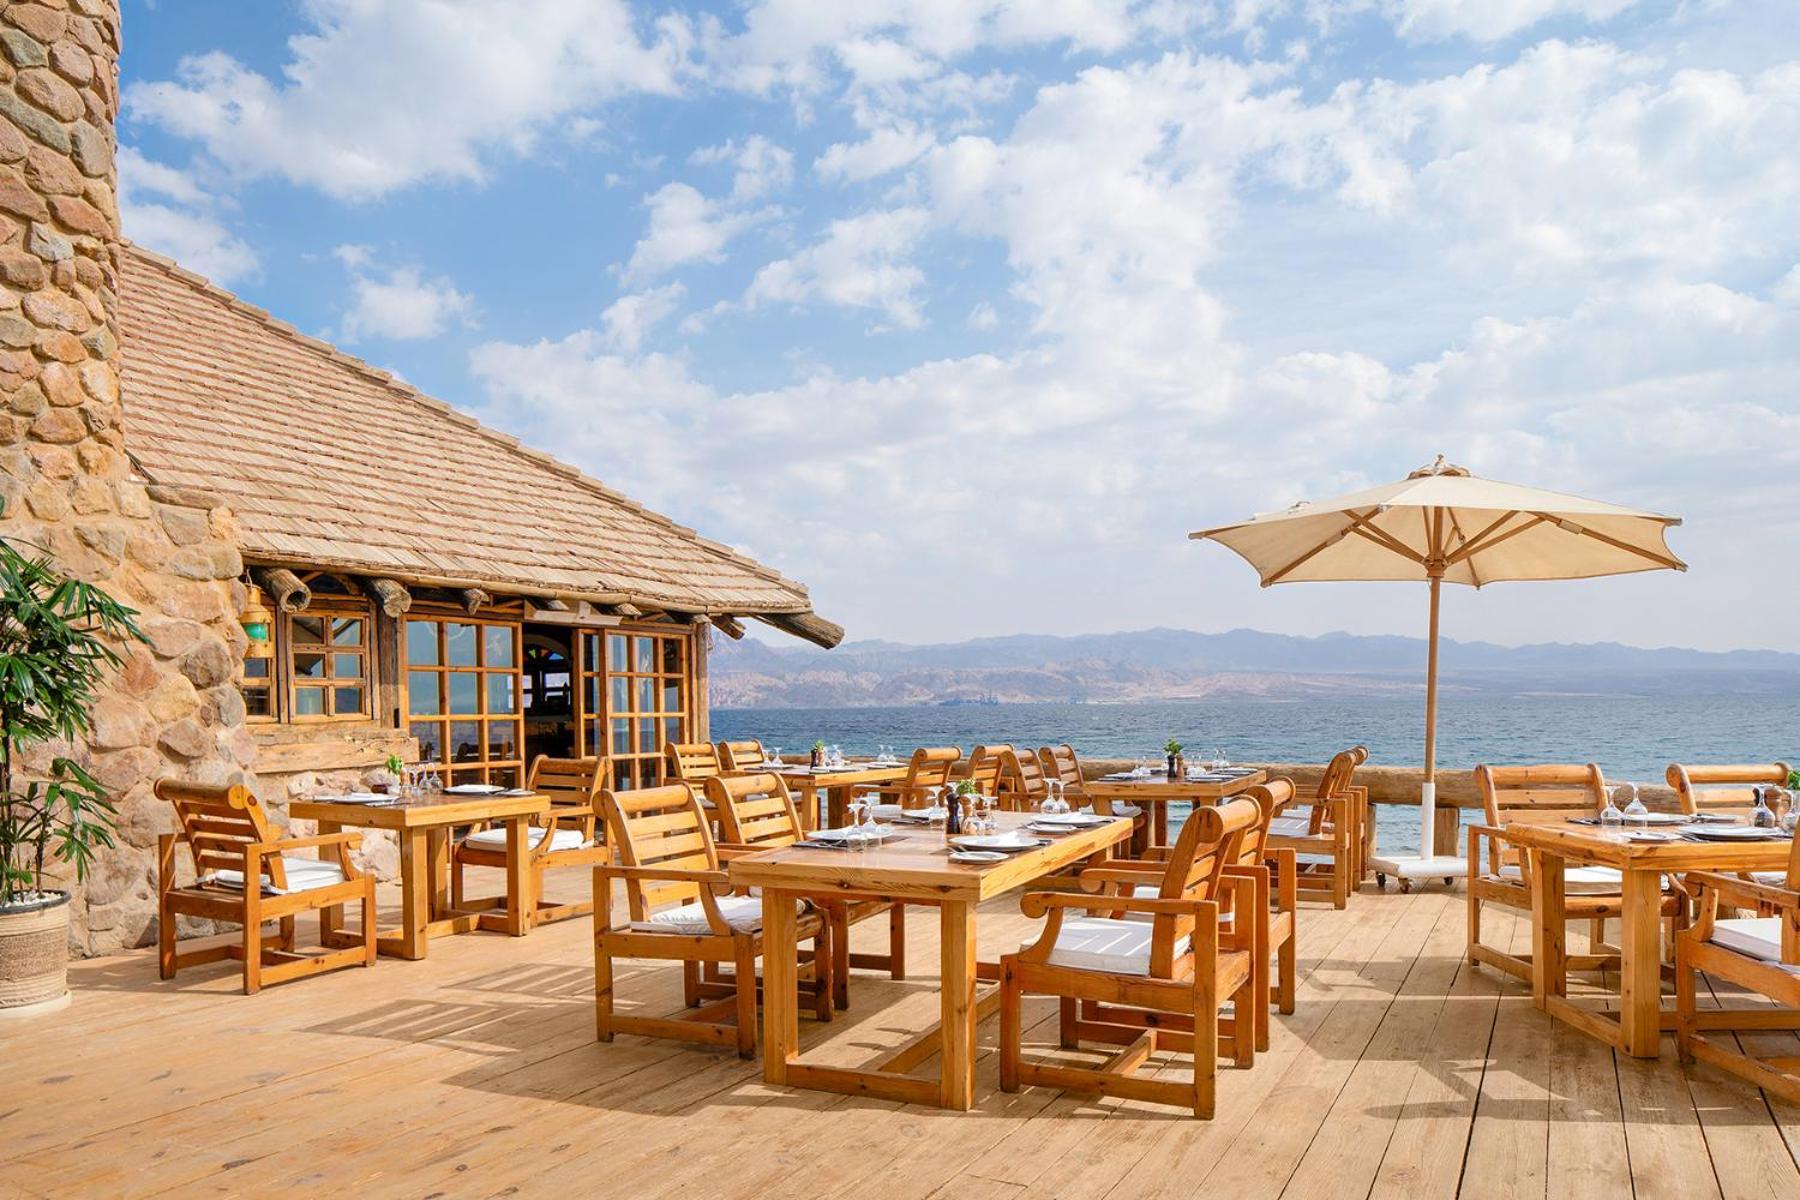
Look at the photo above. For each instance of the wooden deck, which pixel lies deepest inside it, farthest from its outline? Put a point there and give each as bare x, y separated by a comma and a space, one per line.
1404, 1073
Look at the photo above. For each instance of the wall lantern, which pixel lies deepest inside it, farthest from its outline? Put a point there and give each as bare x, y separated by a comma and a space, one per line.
258, 623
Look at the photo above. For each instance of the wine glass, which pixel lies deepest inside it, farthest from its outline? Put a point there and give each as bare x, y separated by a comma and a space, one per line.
859, 804
1610, 816
775, 759
1635, 812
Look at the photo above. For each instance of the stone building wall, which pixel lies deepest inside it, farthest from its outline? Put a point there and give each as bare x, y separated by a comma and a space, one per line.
66, 480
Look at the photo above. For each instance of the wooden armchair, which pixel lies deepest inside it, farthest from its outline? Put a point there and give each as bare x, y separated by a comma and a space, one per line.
1023, 783
740, 756
1155, 985
757, 812
1761, 954
568, 836
1502, 874
927, 771
984, 769
666, 855
230, 840
1723, 789
1327, 838
691, 762
1062, 764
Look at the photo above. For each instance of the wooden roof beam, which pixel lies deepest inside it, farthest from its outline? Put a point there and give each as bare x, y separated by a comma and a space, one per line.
811, 626
390, 594
284, 586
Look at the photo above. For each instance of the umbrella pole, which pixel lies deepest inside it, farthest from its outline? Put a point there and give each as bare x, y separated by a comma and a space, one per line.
1428, 790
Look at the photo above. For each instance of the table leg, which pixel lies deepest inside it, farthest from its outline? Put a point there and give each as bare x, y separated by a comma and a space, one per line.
809, 808
957, 1058
1159, 824
837, 804
1640, 966
519, 900
1549, 949
415, 893
437, 851
781, 972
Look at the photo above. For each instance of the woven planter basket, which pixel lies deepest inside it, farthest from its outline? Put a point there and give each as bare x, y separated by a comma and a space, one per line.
34, 956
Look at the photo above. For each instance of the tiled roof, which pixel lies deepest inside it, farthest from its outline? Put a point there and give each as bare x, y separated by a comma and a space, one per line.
327, 461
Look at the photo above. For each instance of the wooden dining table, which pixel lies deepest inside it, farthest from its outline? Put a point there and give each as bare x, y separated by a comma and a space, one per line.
423, 825
1637, 1027
912, 866
1155, 792
837, 784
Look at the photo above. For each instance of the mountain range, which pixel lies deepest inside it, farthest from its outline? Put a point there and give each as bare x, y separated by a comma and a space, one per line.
1176, 664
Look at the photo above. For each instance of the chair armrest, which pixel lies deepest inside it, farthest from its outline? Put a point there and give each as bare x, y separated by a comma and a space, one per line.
1036, 904
664, 874
727, 851
348, 838
1745, 893
1093, 879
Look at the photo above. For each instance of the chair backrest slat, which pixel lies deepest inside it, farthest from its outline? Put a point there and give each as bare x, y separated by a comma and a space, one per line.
1023, 783
754, 810
691, 762
1722, 789
1208, 843
985, 765
1339, 775
572, 785
1537, 795
217, 822
659, 827
1061, 764
741, 756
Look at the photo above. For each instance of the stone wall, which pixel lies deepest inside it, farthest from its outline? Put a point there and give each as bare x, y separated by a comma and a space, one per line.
69, 487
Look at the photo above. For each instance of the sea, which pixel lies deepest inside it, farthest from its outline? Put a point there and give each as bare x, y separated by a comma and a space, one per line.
1633, 738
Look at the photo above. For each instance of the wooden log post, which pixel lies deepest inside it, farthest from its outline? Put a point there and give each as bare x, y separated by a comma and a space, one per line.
391, 595
474, 599
731, 627
284, 586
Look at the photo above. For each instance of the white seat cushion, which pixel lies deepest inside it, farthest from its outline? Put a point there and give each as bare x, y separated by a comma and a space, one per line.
495, 839
1103, 944
1757, 937
742, 913
303, 875
1772, 878
1577, 880
1291, 826
1150, 891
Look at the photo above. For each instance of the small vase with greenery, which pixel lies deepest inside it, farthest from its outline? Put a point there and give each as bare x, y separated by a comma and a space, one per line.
818, 753
396, 774
1173, 750
57, 639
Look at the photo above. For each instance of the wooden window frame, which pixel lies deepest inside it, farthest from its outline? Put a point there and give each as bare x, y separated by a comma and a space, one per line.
479, 770
632, 766
330, 608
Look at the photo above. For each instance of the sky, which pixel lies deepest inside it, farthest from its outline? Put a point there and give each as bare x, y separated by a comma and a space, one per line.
965, 312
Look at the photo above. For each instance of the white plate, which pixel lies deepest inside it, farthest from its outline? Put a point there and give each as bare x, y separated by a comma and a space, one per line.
1071, 820
994, 841
876, 832
473, 789
1652, 836
1733, 833
977, 856
1658, 818
887, 812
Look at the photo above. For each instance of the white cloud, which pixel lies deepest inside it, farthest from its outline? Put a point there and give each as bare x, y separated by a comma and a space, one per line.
762, 166
685, 227
400, 304
478, 78
982, 317
166, 210
1489, 20
884, 150
860, 263
629, 319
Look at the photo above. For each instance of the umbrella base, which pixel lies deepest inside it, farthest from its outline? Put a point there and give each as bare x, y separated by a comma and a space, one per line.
1410, 867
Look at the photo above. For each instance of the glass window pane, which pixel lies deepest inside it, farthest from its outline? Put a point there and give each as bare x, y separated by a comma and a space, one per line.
463, 692
621, 738
590, 652
347, 701
424, 693
308, 631
500, 693
309, 666
671, 701
503, 739
465, 741
422, 643
646, 696
256, 702
621, 694
645, 649
590, 694
672, 730
431, 740
497, 643
504, 776
646, 743
671, 656
346, 666
459, 644
616, 660
347, 631
257, 668
309, 701
650, 772
622, 775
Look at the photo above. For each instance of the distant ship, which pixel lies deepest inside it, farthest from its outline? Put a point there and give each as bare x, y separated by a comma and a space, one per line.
963, 701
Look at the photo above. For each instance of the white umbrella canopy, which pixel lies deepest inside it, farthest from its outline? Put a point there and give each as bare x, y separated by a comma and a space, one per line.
1441, 524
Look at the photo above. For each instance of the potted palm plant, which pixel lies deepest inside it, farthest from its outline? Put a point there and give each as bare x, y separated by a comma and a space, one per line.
56, 646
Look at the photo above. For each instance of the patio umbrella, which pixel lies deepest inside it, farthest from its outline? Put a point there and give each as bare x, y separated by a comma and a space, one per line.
1442, 524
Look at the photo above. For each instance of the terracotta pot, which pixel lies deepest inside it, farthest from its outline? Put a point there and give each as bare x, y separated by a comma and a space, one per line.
34, 956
